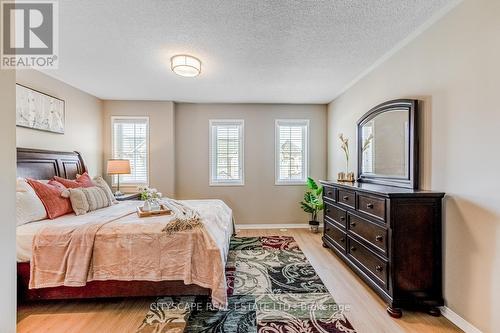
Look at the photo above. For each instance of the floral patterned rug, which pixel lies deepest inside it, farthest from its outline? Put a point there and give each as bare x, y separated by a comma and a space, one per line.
272, 288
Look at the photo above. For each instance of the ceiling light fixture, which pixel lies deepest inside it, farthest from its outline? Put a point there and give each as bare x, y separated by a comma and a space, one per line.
185, 65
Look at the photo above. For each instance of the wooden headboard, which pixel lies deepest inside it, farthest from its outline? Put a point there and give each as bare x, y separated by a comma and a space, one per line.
45, 164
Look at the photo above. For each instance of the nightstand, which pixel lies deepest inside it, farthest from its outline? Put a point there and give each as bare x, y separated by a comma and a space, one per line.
129, 196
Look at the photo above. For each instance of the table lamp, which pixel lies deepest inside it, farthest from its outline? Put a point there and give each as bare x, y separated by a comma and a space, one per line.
118, 167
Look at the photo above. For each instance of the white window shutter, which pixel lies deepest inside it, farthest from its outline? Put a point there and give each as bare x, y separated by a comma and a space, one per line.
291, 152
130, 140
226, 152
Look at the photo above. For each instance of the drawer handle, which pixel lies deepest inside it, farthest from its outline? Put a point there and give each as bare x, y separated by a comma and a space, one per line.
370, 206
329, 193
342, 218
327, 210
379, 268
353, 224
327, 229
379, 238
342, 239
353, 249
345, 198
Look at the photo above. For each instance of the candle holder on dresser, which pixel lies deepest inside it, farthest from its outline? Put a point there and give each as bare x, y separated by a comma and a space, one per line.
346, 176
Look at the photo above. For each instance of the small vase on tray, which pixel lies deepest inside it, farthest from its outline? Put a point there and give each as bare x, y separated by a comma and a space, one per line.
147, 206
155, 205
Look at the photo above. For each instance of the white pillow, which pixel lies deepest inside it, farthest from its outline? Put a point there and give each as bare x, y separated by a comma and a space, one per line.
29, 207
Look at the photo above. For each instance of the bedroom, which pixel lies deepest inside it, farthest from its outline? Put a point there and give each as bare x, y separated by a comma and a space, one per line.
229, 150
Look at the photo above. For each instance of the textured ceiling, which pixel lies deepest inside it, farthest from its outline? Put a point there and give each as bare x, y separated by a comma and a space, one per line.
279, 51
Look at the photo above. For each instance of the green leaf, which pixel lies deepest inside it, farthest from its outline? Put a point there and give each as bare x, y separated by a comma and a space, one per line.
306, 207
315, 200
319, 191
311, 184
310, 197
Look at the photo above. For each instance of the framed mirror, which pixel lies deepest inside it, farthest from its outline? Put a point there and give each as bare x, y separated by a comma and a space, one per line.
387, 138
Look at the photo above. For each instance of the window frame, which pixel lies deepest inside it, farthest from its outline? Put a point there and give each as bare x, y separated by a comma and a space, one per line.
212, 124
288, 122
148, 131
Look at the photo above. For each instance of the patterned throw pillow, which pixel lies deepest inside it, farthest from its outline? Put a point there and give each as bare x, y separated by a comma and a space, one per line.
87, 199
100, 182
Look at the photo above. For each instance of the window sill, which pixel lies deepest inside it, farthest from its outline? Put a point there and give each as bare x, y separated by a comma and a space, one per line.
226, 184
129, 186
290, 183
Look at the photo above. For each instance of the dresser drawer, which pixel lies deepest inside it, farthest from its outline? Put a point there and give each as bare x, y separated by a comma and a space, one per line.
347, 198
329, 192
368, 231
369, 262
337, 215
372, 206
337, 236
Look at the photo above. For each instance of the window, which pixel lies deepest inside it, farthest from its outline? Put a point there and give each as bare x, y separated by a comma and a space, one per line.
226, 152
291, 151
130, 140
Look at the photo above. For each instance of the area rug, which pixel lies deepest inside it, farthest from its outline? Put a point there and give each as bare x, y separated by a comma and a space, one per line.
272, 288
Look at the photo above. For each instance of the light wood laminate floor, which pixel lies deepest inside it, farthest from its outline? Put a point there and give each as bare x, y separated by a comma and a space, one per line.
367, 313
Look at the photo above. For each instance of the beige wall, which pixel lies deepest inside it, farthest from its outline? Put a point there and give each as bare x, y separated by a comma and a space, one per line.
454, 67
83, 130
8, 201
161, 139
259, 200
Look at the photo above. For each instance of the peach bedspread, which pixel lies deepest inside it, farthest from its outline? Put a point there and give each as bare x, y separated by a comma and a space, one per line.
116, 244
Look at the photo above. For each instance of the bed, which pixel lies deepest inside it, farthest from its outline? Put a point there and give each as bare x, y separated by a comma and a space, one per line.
42, 164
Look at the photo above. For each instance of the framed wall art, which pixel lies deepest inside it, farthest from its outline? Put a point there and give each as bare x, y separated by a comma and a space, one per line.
39, 111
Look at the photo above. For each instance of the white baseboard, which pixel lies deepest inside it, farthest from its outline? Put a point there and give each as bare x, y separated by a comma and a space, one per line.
463, 324
273, 226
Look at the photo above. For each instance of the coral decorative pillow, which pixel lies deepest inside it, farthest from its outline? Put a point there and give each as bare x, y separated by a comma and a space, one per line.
81, 181
50, 195
52, 182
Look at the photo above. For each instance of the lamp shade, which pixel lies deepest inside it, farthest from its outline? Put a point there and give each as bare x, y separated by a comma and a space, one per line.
118, 167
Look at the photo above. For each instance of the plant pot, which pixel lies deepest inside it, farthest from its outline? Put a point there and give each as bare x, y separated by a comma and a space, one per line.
314, 226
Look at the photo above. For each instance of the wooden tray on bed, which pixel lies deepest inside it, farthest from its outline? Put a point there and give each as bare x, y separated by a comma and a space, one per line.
163, 211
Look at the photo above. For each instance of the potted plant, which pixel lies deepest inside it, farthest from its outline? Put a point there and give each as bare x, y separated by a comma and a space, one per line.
312, 203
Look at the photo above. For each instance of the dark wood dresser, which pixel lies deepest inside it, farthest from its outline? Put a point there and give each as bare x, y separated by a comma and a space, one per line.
391, 238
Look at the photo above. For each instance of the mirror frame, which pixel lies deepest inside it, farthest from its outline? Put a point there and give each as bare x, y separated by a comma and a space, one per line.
412, 181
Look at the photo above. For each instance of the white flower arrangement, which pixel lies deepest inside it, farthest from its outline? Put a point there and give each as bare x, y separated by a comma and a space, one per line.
148, 193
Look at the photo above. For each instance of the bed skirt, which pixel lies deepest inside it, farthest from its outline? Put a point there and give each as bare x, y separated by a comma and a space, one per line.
103, 289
